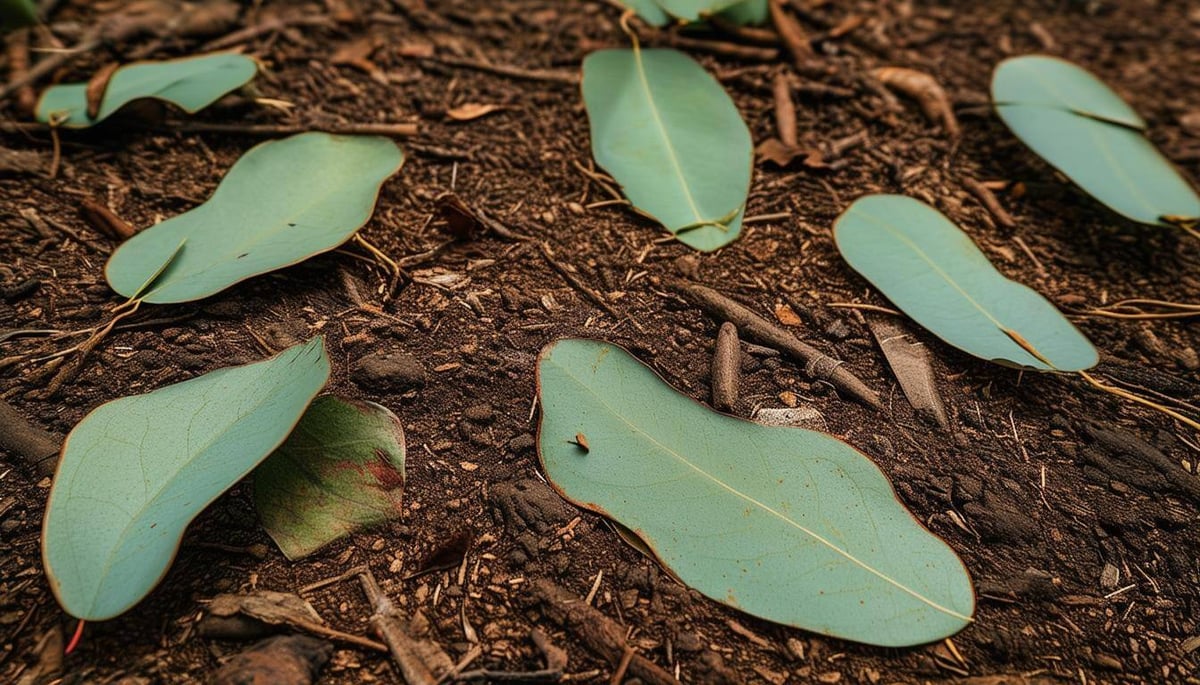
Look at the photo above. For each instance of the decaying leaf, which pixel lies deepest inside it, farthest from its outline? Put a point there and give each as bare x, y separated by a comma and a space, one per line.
472, 110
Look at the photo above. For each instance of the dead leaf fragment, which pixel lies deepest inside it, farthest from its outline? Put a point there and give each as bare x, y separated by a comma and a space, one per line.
472, 110
925, 90
97, 85
782, 155
786, 315
281, 660
275, 608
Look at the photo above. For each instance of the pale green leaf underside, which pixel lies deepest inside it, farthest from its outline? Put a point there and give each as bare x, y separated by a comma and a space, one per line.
191, 83
744, 12
670, 135
931, 270
137, 470
281, 203
340, 471
694, 10
1082, 128
786, 524
748, 12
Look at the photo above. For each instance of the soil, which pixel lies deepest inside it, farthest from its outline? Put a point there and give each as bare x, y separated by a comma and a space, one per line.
1075, 513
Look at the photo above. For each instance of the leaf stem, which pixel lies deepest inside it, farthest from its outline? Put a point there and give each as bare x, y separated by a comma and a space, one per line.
1125, 394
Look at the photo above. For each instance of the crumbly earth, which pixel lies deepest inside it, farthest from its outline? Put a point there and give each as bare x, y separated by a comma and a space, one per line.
1083, 550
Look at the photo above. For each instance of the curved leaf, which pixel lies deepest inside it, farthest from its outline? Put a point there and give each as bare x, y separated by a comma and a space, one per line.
341, 470
748, 12
787, 524
1085, 130
649, 11
281, 203
191, 83
137, 470
930, 269
695, 10
670, 135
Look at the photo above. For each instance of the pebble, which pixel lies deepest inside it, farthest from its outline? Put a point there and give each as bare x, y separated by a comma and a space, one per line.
798, 417
478, 413
389, 370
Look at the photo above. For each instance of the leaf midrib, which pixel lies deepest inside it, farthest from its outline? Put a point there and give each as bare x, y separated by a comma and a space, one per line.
145, 506
908, 242
662, 129
751, 500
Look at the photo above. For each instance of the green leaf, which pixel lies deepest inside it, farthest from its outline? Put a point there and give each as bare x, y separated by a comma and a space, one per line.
748, 12
649, 11
340, 471
930, 269
1085, 130
17, 13
670, 135
191, 83
787, 524
695, 10
281, 203
137, 470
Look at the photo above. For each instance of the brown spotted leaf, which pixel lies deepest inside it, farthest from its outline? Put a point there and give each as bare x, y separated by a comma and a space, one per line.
341, 470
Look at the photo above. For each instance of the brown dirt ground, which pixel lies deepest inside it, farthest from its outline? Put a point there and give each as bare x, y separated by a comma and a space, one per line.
1035, 505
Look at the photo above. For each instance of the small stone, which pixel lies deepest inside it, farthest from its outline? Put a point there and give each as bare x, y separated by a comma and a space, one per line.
521, 443
798, 417
688, 641
1108, 662
789, 398
830, 677
1187, 358
479, 413
796, 648
389, 370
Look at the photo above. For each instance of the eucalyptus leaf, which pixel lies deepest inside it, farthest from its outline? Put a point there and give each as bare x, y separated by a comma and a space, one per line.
137, 470
932, 271
341, 470
17, 13
671, 136
649, 11
1082, 128
787, 524
191, 83
696, 10
748, 12
281, 203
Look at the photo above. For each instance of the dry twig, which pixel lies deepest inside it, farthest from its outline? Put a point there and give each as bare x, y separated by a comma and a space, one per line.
816, 363
726, 368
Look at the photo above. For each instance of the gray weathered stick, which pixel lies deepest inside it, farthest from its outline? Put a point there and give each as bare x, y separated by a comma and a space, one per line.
816, 363
36, 448
726, 369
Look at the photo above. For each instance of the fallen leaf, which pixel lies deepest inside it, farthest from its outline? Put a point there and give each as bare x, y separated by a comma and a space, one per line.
279, 660
472, 110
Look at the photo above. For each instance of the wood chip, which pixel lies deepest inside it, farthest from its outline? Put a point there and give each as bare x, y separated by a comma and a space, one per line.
472, 110
910, 363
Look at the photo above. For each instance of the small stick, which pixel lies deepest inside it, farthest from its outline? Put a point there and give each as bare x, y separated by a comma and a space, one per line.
785, 110
576, 283
726, 369
37, 448
988, 199
792, 34
749, 53
397, 130
925, 90
602, 635
746, 34
1125, 394
104, 220
18, 67
387, 626
816, 363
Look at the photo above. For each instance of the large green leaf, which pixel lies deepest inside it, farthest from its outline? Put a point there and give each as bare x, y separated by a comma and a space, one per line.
670, 135
930, 269
281, 203
748, 12
695, 10
787, 524
192, 83
1085, 130
649, 11
137, 470
341, 470
17, 13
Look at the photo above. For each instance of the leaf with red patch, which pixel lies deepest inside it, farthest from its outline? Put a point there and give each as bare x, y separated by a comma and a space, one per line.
341, 470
